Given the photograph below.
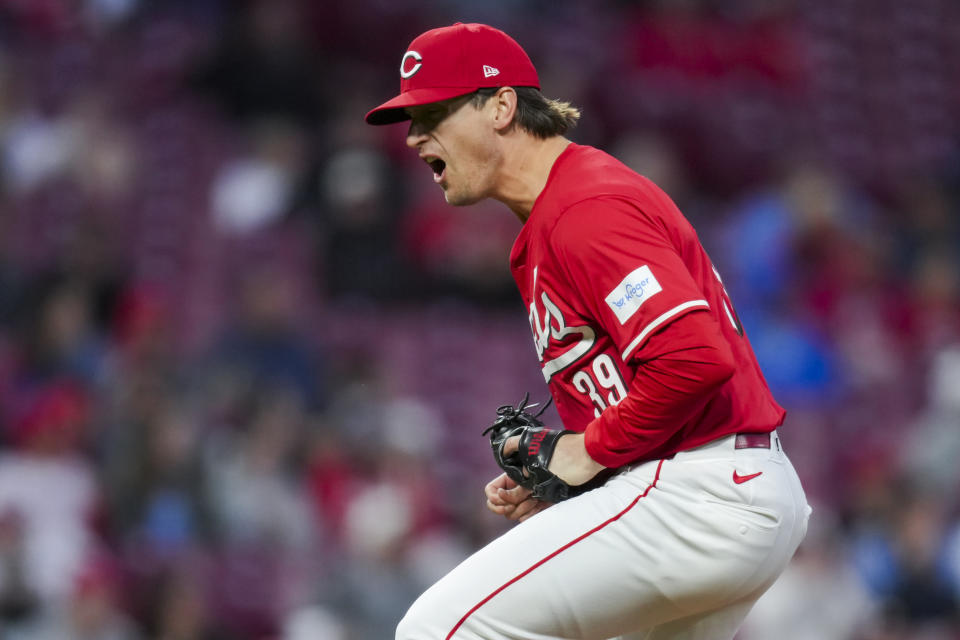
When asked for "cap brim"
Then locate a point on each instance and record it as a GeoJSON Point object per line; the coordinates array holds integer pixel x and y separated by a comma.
{"type": "Point", "coordinates": [392, 111]}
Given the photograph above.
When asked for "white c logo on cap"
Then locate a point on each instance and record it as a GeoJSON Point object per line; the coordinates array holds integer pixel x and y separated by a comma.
{"type": "Point", "coordinates": [410, 54]}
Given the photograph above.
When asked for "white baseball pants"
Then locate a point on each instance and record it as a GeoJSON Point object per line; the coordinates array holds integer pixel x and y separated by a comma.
{"type": "Point", "coordinates": [672, 549]}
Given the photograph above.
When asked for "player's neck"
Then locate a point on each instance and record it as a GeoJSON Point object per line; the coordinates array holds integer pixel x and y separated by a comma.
{"type": "Point", "coordinates": [526, 168]}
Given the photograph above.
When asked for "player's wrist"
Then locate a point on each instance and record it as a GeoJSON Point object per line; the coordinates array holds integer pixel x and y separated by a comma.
{"type": "Point", "coordinates": [571, 461]}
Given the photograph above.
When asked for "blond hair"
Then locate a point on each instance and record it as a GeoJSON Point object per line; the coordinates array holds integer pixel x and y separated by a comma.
{"type": "Point", "coordinates": [537, 115]}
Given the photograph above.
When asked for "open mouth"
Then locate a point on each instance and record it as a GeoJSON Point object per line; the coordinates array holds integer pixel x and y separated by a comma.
{"type": "Point", "coordinates": [438, 166]}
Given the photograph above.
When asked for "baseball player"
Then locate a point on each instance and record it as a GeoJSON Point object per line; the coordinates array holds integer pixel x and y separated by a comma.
{"type": "Point", "coordinates": [666, 506]}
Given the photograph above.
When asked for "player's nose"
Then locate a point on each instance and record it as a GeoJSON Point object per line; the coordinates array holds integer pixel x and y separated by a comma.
{"type": "Point", "coordinates": [416, 135]}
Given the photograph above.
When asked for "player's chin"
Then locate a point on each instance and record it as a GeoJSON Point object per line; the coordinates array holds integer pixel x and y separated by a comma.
{"type": "Point", "coordinates": [459, 198]}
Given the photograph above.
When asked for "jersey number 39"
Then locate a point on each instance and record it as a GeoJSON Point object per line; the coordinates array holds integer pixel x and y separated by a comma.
{"type": "Point", "coordinates": [601, 382]}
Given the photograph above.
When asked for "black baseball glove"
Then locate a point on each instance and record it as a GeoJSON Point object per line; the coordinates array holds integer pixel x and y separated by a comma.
{"type": "Point", "coordinates": [527, 466]}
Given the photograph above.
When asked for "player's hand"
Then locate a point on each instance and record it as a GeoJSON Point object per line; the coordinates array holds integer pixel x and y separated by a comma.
{"type": "Point", "coordinates": [508, 499]}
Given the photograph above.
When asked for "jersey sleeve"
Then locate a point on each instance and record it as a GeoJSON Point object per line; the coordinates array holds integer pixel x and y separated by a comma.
{"type": "Point", "coordinates": [684, 366]}
{"type": "Point", "coordinates": [622, 266]}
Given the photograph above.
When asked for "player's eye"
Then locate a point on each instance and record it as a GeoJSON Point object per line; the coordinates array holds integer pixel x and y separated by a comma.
{"type": "Point", "coordinates": [430, 116]}
{"type": "Point", "coordinates": [434, 116]}
{"type": "Point", "coordinates": [428, 120]}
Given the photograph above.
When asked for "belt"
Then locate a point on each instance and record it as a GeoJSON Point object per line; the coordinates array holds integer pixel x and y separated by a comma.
{"type": "Point", "coordinates": [752, 441]}
{"type": "Point", "coordinates": [743, 440]}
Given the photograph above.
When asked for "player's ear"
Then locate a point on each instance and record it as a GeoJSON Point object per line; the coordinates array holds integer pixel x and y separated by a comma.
{"type": "Point", "coordinates": [504, 103]}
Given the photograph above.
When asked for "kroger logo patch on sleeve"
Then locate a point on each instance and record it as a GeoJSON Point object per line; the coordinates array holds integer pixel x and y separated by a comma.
{"type": "Point", "coordinates": [632, 292]}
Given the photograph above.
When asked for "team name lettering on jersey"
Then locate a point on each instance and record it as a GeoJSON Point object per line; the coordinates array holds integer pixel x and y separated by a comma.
{"type": "Point", "coordinates": [632, 292]}
{"type": "Point", "coordinates": [554, 326]}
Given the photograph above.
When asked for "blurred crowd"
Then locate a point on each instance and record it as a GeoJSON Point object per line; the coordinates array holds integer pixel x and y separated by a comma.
{"type": "Point", "coordinates": [247, 351]}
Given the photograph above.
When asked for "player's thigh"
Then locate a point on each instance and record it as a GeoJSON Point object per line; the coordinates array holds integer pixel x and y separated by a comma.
{"type": "Point", "coordinates": [721, 624]}
{"type": "Point", "coordinates": [569, 572]}
{"type": "Point", "coordinates": [620, 558]}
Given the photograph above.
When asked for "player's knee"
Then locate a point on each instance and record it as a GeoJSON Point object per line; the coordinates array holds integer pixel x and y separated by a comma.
{"type": "Point", "coordinates": [403, 628]}
{"type": "Point", "coordinates": [414, 625]}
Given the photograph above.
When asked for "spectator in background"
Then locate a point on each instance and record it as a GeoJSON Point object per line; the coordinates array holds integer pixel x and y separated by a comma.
{"type": "Point", "coordinates": [50, 488]}
{"type": "Point", "coordinates": [358, 224]}
{"type": "Point", "coordinates": [264, 66]}
{"type": "Point", "coordinates": [82, 142]}
{"type": "Point", "coordinates": [267, 537]}
{"type": "Point", "coordinates": [313, 623]}
{"type": "Point", "coordinates": [253, 471]}
{"type": "Point", "coordinates": [258, 188]}
{"type": "Point", "coordinates": [155, 483]}
{"type": "Point", "coordinates": [934, 311]}
{"type": "Point", "coordinates": [58, 335]}
{"type": "Point", "coordinates": [95, 611]}
{"type": "Point", "coordinates": [461, 256]}
{"type": "Point", "coordinates": [933, 448]}
{"type": "Point", "coordinates": [179, 604]}
{"type": "Point", "coordinates": [265, 346]}
{"type": "Point", "coordinates": [922, 220]}
{"type": "Point", "coordinates": [656, 157]}
{"type": "Point", "coordinates": [921, 599]}
{"type": "Point", "coordinates": [142, 336]}
{"type": "Point", "coordinates": [381, 505]}
{"type": "Point", "coordinates": [18, 600]}
{"type": "Point", "coordinates": [899, 547]}
{"type": "Point", "coordinates": [802, 254]}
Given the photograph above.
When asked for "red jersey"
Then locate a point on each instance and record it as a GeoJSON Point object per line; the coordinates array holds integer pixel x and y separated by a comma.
{"type": "Point", "coordinates": [604, 264]}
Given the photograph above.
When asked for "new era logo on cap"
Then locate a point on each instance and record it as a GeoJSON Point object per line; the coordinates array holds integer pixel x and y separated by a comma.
{"type": "Point", "coordinates": [490, 71]}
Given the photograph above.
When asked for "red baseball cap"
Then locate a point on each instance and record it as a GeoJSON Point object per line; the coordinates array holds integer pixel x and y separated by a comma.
{"type": "Point", "coordinates": [453, 61]}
